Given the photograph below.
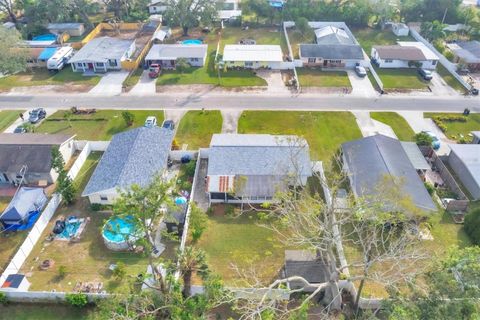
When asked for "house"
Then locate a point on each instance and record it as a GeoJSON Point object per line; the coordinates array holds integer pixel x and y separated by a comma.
{"type": "Point", "coordinates": [400, 29]}
{"type": "Point", "coordinates": [157, 6]}
{"type": "Point", "coordinates": [464, 159]}
{"type": "Point", "coordinates": [377, 159]}
{"type": "Point", "coordinates": [30, 155]}
{"type": "Point", "coordinates": [335, 47]}
{"type": "Point", "coordinates": [102, 54]}
{"type": "Point", "coordinates": [167, 55]}
{"type": "Point", "coordinates": [467, 52]}
{"type": "Point", "coordinates": [305, 264]}
{"type": "Point", "coordinates": [476, 137]}
{"type": "Point", "coordinates": [132, 157]}
{"type": "Point", "coordinates": [252, 56]}
{"type": "Point", "coordinates": [73, 29]}
{"type": "Point", "coordinates": [254, 167]}
{"type": "Point", "coordinates": [405, 54]}
{"type": "Point", "coordinates": [16, 282]}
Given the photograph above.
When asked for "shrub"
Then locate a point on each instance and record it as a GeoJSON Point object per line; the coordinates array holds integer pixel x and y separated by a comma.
{"type": "Point", "coordinates": [198, 222]}
{"type": "Point", "coordinates": [190, 168]}
{"type": "Point", "coordinates": [77, 299]}
{"type": "Point", "coordinates": [429, 188]}
{"type": "Point", "coordinates": [120, 271]}
{"type": "Point", "coordinates": [423, 139]}
{"type": "Point", "coordinates": [229, 210]}
{"type": "Point", "coordinates": [3, 298]}
{"type": "Point", "coordinates": [449, 55]}
{"type": "Point", "coordinates": [62, 271]}
{"type": "Point", "coordinates": [128, 117]}
{"type": "Point", "coordinates": [95, 207]}
{"type": "Point", "coordinates": [472, 225]}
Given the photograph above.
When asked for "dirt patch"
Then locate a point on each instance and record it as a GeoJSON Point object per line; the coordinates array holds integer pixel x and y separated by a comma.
{"type": "Point", "coordinates": [202, 88]}
{"type": "Point", "coordinates": [331, 90]}
{"type": "Point", "coordinates": [65, 88]}
{"type": "Point", "coordinates": [218, 210]}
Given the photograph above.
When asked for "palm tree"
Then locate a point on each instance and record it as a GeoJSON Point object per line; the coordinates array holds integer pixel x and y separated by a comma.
{"type": "Point", "coordinates": [191, 261]}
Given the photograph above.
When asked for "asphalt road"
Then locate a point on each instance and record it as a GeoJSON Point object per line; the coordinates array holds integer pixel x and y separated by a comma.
{"type": "Point", "coordinates": [242, 101]}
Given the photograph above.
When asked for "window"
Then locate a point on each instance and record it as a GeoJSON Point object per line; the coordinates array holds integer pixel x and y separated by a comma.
{"type": "Point", "coordinates": [388, 61]}
{"type": "Point", "coordinates": [434, 62]}
{"type": "Point", "coordinates": [194, 59]}
{"type": "Point", "coordinates": [112, 62]}
{"type": "Point", "coordinates": [311, 60]}
{"type": "Point", "coordinates": [103, 198]}
{"type": "Point", "coordinates": [248, 64]}
{"type": "Point", "coordinates": [99, 64]}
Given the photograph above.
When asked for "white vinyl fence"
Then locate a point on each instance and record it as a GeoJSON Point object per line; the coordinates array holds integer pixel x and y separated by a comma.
{"type": "Point", "coordinates": [294, 64]}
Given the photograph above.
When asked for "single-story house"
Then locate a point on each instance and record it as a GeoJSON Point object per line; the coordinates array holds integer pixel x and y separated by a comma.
{"type": "Point", "coordinates": [405, 54]}
{"type": "Point", "coordinates": [16, 282]}
{"type": "Point", "coordinates": [400, 29]}
{"type": "Point", "coordinates": [157, 6]}
{"type": "Point", "coordinates": [102, 54]}
{"type": "Point", "coordinates": [74, 29]}
{"type": "Point", "coordinates": [476, 137]}
{"type": "Point", "coordinates": [167, 55]}
{"type": "Point", "coordinates": [464, 159]}
{"type": "Point", "coordinates": [252, 168]}
{"type": "Point", "coordinates": [252, 56]}
{"type": "Point", "coordinates": [335, 47]}
{"type": "Point", "coordinates": [26, 203]}
{"type": "Point", "coordinates": [132, 157]}
{"type": "Point", "coordinates": [307, 265]}
{"type": "Point", "coordinates": [377, 159]}
{"type": "Point", "coordinates": [467, 52]}
{"type": "Point", "coordinates": [30, 155]}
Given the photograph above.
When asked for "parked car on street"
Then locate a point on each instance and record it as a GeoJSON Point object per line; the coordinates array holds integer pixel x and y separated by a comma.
{"type": "Point", "coordinates": [435, 140]}
{"type": "Point", "coordinates": [150, 122]}
{"type": "Point", "coordinates": [20, 129]}
{"type": "Point", "coordinates": [36, 115]}
{"type": "Point", "coordinates": [425, 74]}
{"type": "Point", "coordinates": [361, 71]}
{"type": "Point", "coordinates": [168, 124]}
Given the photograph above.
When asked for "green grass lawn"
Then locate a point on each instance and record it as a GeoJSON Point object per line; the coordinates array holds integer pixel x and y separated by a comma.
{"type": "Point", "coordinates": [369, 37]}
{"type": "Point", "coordinates": [101, 125]}
{"type": "Point", "coordinates": [324, 131]}
{"type": "Point", "coordinates": [399, 125]}
{"type": "Point", "coordinates": [270, 36]}
{"type": "Point", "coordinates": [42, 77]}
{"type": "Point", "coordinates": [196, 128]}
{"type": "Point", "coordinates": [296, 38]}
{"type": "Point", "coordinates": [450, 80]}
{"type": "Point", "coordinates": [319, 78]}
{"type": "Point", "coordinates": [240, 241]}
{"type": "Point", "coordinates": [401, 79]}
{"type": "Point", "coordinates": [35, 311]}
{"type": "Point", "coordinates": [133, 79]}
{"type": "Point", "coordinates": [7, 117]}
{"type": "Point", "coordinates": [455, 129]}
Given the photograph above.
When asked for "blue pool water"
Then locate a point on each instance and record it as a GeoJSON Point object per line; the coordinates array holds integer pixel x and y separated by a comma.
{"type": "Point", "coordinates": [192, 41]}
{"type": "Point", "coordinates": [71, 228]}
{"type": "Point", "coordinates": [118, 229]}
{"type": "Point", "coordinates": [45, 37]}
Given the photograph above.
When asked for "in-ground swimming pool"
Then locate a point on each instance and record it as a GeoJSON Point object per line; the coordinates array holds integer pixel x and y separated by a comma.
{"type": "Point", "coordinates": [45, 37]}
{"type": "Point", "coordinates": [192, 41]}
{"type": "Point", "coordinates": [118, 233]}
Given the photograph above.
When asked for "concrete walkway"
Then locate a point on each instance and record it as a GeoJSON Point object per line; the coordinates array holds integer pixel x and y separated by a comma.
{"type": "Point", "coordinates": [370, 127]}
{"type": "Point", "coordinates": [145, 85]}
{"type": "Point", "coordinates": [230, 120]}
{"type": "Point", "coordinates": [361, 87]}
{"type": "Point", "coordinates": [110, 84]}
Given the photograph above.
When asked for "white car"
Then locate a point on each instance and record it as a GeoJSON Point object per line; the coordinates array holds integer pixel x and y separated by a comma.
{"type": "Point", "coordinates": [150, 122]}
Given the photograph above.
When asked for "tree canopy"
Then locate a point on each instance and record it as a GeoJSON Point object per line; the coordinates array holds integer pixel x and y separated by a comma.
{"type": "Point", "coordinates": [13, 57]}
{"type": "Point", "coordinates": [190, 13]}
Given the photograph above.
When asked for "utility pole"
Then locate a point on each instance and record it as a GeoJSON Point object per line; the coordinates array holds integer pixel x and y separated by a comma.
{"type": "Point", "coordinates": [444, 15]}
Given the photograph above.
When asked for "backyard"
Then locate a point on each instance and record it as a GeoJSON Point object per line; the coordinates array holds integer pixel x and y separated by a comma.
{"type": "Point", "coordinates": [324, 131]}
{"type": "Point", "coordinates": [457, 129]}
{"type": "Point", "coordinates": [196, 128]}
{"type": "Point", "coordinates": [42, 77]}
{"type": "Point", "coordinates": [266, 36]}
{"type": "Point", "coordinates": [296, 38]}
{"type": "Point", "coordinates": [399, 125]}
{"type": "Point", "coordinates": [101, 125]}
{"type": "Point", "coordinates": [7, 117]}
{"type": "Point", "coordinates": [35, 311]}
{"type": "Point", "coordinates": [369, 37]}
{"type": "Point", "coordinates": [240, 241]}
{"type": "Point", "coordinates": [319, 78]}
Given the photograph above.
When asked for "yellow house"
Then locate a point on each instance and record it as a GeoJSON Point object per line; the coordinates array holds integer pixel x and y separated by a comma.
{"type": "Point", "coordinates": [253, 56]}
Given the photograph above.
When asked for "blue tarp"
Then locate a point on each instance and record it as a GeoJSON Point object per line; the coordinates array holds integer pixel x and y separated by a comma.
{"type": "Point", "coordinates": [26, 203]}
{"type": "Point", "coordinates": [47, 53]}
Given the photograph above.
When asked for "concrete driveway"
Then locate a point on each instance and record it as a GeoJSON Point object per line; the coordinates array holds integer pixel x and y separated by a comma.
{"type": "Point", "coordinates": [370, 127]}
{"type": "Point", "coordinates": [440, 87]}
{"type": "Point", "coordinates": [361, 87]}
{"type": "Point", "coordinates": [274, 81]}
{"type": "Point", "coordinates": [19, 121]}
{"type": "Point", "coordinates": [230, 120]}
{"type": "Point", "coordinates": [145, 85]}
{"type": "Point", "coordinates": [110, 84]}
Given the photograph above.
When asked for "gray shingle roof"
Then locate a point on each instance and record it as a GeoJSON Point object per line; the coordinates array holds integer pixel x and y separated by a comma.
{"type": "Point", "coordinates": [371, 159]}
{"type": "Point", "coordinates": [469, 154]}
{"type": "Point", "coordinates": [37, 158]}
{"type": "Point", "coordinates": [133, 157]}
{"type": "Point", "coordinates": [331, 51]}
{"type": "Point", "coordinates": [469, 51]}
{"type": "Point", "coordinates": [305, 264]}
{"type": "Point", "coordinates": [415, 155]}
{"type": "Point", "coordinates": [34, 138]}
{"type": "Point", "coordinates": [102, 49]}
{"type": "Point", "coordinates": [397, 52]}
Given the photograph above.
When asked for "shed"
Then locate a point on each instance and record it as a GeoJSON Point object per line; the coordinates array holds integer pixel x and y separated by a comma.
{"type": "Point", "coordinates": [400, 29]}
{"type": "Point", "coordinates": [16, 282]}
{"type": "Point", "coordinates": [74, 29]}
{"type": "Point", "coordinates": [307, 265]}
{"type": "Point", "coordinates": [27, 201]}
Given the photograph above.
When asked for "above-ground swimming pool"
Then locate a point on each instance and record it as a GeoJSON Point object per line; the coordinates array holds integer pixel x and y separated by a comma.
{"type": "Point", "coordinates": [118, 233]}
{"type": "Point", "coordinates": [45, 37]}
{"type": "Point", "coordinates": [192, 41]}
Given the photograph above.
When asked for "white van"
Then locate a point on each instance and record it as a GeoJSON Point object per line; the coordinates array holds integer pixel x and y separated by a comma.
{"type": "Point", "coordinates": [60, 58]}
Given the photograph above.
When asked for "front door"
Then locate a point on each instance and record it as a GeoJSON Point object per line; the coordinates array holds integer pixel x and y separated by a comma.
{"type": "Point", "coordinates": [325, 63]}
{"type": "Point", "coordinates": [90, 66]}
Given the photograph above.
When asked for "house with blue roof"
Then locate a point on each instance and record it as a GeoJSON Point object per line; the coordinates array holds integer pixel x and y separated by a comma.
{"type": "Point", "coordinates": [132, 157]}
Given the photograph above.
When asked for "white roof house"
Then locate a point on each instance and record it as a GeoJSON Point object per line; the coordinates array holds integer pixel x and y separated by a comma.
{"type": "Point", "coordinates": [234, 52]}
{"type": "Point", "coordinates": [175, 51]}
{"type": "Point", "coordinates": [429, 54]}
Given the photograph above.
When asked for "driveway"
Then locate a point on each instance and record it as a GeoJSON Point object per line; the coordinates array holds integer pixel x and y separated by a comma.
{"type": "Point", "coordinates": [274, 81]}
{"type": "Point", "coordinates": [19, 121]}
{"type": "Point", "coordinates": [370, 127]}
{"type": "Point", "coordinates": [110, 84]}
{"type": "Point", "coordinates": [144, 86]}
{"type": "Point", "coordinates": [361, 87]}
{"type": "Point", "coordinates": [230, 120]}
{"type": "Point", "coordinates": [440, 88]}
{"type": "Point", "coordinates": [418, 123]}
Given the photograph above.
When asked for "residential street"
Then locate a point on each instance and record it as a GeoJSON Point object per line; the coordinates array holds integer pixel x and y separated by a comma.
{"type": "Point", "coordinates": [233, 100]}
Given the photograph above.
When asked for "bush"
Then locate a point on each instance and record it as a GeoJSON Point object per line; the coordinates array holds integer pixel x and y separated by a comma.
{"type": "Point", "coordinates": [95, 207]}
{"type": "Point", "coordinates": [429, 188]}
{"type": "Point", "coordinates": [229, 210]}
{"type": "Point", "coordinates": [128, 117]}
{"type": "Point", "coordinates": [62, 271]}
{"type": "Point", "coordinates": [120, 271]}
{"type": "Point", "coordinates": [472, 225]}
{"type": "Point", "coordinates": [3, 298]}
{"type": "Point", "coordinates": [423, 139]}
{"type": "Point", "coordinates": [190, 168]}
{"type": "Point", "coordinates": [77, 299]}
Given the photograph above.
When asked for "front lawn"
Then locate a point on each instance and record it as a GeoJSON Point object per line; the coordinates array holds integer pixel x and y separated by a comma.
{"type": "Point", "coordinates": [401, 79]}
{"type": "Point", "coordinates": [42, 77]}
{"type": "Point", "coordinates": [369, 37]}
{"type": "Point", "coordinates": [240, 242]}
{"type": "Point", "coordinates": [456, 129]}
{"type": "Point", "coordinates": [196, 128]}
{"type": "Point", "coordinates": [400, 126]}
{"type": "Point", "coordinates": [450, 80]}
{"type": "Point", "coordinates": [324, 131]}
{"type": "Point", "coordinates": [325, 79]}
{"type": "Point", "coordinates": [101, 125]}
{"type": "Point", "coordinates": [7, 117]}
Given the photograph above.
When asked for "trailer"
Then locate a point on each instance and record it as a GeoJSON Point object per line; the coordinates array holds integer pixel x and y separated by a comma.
{"type": "Point", "coordinates": [60, 58]}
